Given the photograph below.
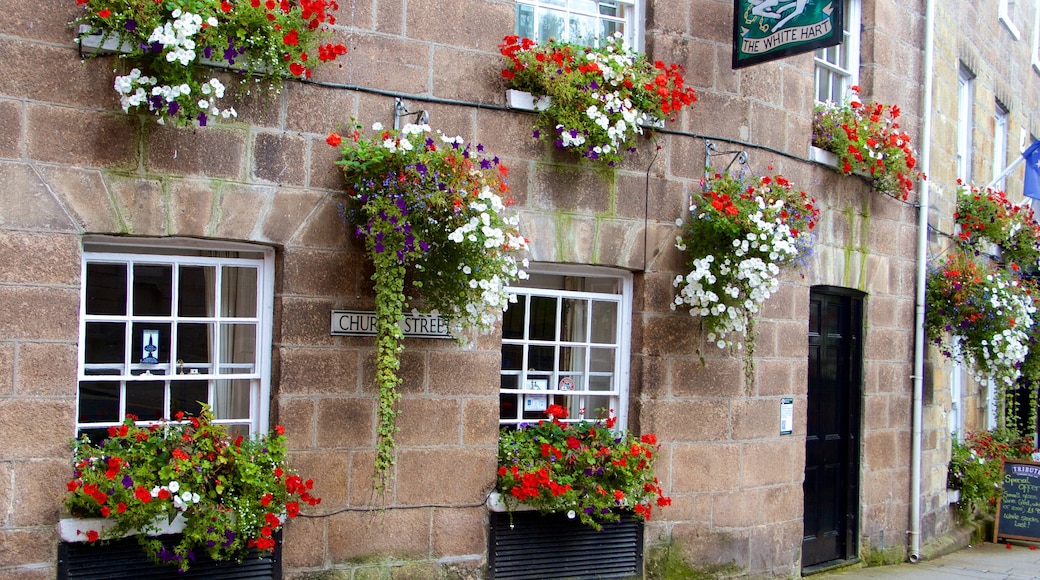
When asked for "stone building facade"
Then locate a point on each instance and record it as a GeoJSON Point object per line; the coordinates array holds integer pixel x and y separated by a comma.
{"type": "Point", "coordinates": [79, 177]}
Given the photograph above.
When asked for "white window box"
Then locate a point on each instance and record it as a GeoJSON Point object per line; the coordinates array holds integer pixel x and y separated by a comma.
{"type": "Point", "coordinates": [496, 503]}
{"type": "Point", "coordinates": [112, 45]}
{"type": "Point", "coordinates": [75, 530]}
{"type": "Point", "coordinates": [824, 157]}
{"type": "Point", "coordinates": [953, 495]}
{"type": "Point", "coordinates": [525, 101]}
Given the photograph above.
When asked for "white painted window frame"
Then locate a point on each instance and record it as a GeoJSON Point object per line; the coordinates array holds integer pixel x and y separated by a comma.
{"type": "Point", "coordinates": [850, 48]}
{"type": "Point", "coordinates": [633, 23]}
{"type": "Point", "coordinates": [1004, 17]}
{"type": "Point", "coordinates": [102, 249]}
{"type": "Point", "coordinates": [1035, 52]}
{"type": "Point", "coordinates": [1000, 144]}
{"type": "Point", "coordinates": [623, 325]}
{"type": "Point", "coordinates": [965, 123]}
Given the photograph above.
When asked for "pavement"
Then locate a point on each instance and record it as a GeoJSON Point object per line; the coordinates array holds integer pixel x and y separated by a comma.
{"type": "Point", "coordinates": [981, 561]}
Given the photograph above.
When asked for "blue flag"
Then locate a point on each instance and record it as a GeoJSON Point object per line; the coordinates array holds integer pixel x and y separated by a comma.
{"type": "Point", "coordinates": [1032, 183]}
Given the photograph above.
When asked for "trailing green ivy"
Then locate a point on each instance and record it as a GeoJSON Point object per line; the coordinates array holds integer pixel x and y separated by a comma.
{"type": "Point", "coordinates": [430, 205]}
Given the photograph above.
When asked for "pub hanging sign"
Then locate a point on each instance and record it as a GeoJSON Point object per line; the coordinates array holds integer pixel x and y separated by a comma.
{"type": "Point", "coordinates": [765, 30]}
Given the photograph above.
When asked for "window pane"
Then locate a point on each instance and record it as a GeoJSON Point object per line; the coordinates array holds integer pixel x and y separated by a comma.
{"type": "Point", "coordinates": [601, 383]}
{"type": "Point", "coordinates": [513, 319]}
{"type": "Point", "coordinates": [238, 292]}
{"type": "Point", "coordinates": [541, 358]}
{"type": "Point", "coordinates": [145, 399]}
{"type": "Point", "coordinates": [231, 399]}
{"type": "Point", "coordinates": [238, 348]}
{"type": "Point", "coordinates": [542, 325]}
{"type": "Point", "coordinates": [507, 406]}
{"type": "Point", "coordinates": [604, 322]}
{"type": "Point", "coordinates": [106, 289]}
{"type": "Point", "coordinates": [525, 20]}
{"type": "Point", "coordinates": [193, 347]}
{"type": "Point", "coordinates": [98, 402]}
{"type": "Point", "coordinates": [195, 290]}
{"type": "Point", "coordinates": [151, 343]}
{"type": "Point", "coordinates": [582, 29]}
{"type": "Point", "coordinates": [188, 396]}
{"type": "Point", "coordinates": [602, 360]}
{"type": "Point", "coordinates": [153, 285]}
{"type": "Point", "coordinates": [512, 357]}
{"type": "Point", "coordinates": [105, 342]}
{"type": "Point", "coordinates": [550, 25]}
{"type": "Point", "coordinates": [575, 320]}
{"type": "Point", "coordinates": [572, 359]}
{"type": "Point", "coordinates": [598, 408]}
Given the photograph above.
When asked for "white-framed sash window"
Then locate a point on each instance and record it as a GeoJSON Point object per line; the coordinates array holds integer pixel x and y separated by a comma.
{"type": "Point", "coordinates": [580, 21]}
{"type": "Point", "coordinates": [168, 326]}
{"type": "Point", "coordinates": [566, 341]}
{"type": "Point", "coordinates": [837, 67]}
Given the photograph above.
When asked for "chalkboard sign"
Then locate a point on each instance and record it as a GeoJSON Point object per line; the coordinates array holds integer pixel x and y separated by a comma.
{"type": "Point", "coordinates": [1018, 512]}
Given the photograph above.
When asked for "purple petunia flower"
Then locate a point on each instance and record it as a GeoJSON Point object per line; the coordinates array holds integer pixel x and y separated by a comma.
{"type": "Point", "coordinates": [424, 246]}
{"type": "Point", "coordinates": [202, 119]}
{"type": "Point", "coordinates": [130, 24]}
{"type": "Point", "coordinates": [537, 134]}
{"type": "Point", "coordinates": [128, 481]}
{"type": "Point", "coordinates": [378, 247]}
{"type": "Point", "coordinates": [207, 52]}
{"type": "Point", "coordinates": [174, 107]}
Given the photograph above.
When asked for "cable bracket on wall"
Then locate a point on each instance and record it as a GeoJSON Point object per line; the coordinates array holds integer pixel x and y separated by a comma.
{"type": "Point", "coordinates": [422, 116]}
{"type": "Point", "coordinates": [739, 156]}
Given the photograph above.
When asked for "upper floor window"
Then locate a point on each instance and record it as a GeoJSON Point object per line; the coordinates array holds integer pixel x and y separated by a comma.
{"type": "Point", "coordinates": [580, 21]}
{"type": "Point", "coordinates": [837, 67]}
{"type": "Point", "coordinates": [1006, 16]}
{"type": "Point", "coordinates": [1036, 38]}
{"type": "Point", "coordinates": [167, 328]}
{"type": "Point", "coordinates": [965, 123]}
{"type": "Point", "coordinates": [1000, 145]}
{"type": "Point", "coordinates": [566, 342]}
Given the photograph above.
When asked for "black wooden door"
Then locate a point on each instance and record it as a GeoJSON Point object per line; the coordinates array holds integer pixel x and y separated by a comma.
{"type": "Point", "coordinates": [831, 486]}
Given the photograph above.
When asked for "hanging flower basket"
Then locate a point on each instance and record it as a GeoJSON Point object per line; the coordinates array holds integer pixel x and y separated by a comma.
{"type": "Point", "coordinates": [980, 315]}
{"type": "Point", "coordinates": [223, 496]}
{"type": "Point", "coordinates": [585, 470]}
{"type": "Point", "coordinates": [986, 217]}
{"type": "Point", "coordinates": [740, 235]}
{"type": "Point", "coordinates": [867, 140]}
{"type": "Point", "coordinates": [594, 101]}
{"type": "Point", "coordinates": [169, 44]}
{"type": "Point", "coordinates": [435, 207]}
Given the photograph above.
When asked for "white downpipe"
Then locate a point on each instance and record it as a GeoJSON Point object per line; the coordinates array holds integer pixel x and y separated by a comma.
{"type": "Point", "coordinates": [922, 263]}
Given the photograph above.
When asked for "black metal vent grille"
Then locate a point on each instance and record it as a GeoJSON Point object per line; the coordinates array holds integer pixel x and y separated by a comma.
{"type": "Point", "coordinates": [125, 559]}
{"type": "Point", "coordinates": [554, 546]}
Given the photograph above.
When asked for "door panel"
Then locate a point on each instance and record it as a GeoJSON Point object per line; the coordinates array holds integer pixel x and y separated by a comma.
{"type": "Point", "coordinates": [831, 444]}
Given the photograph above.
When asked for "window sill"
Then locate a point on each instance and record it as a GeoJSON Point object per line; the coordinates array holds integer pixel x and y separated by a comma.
{"type": "Point", "coordinates": [74, 530]}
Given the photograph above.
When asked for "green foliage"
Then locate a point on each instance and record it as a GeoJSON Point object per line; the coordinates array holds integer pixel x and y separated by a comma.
{"type": "Point", "coordinates": [599, 95]}
{"type": "Point", "coordinates": [232, 494]}
{"type": "Point", "coordinates": [167, 41]}
{"type": "Point", "coordinates": [431, 206]}
{"type": "Point", "coordinates": [584, 469]}
{"type": "Point", "coordinates": [867, 139]}
{"type": "Point", "coordinates": [977, 466]}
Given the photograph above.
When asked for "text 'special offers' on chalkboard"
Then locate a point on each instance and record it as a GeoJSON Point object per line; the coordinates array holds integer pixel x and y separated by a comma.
{"type": "Point", "coordinates": [1018, 511]}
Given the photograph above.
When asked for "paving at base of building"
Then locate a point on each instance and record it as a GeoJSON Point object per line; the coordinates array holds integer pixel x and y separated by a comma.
{"type": "Point", "coordinates": [985, 561]}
